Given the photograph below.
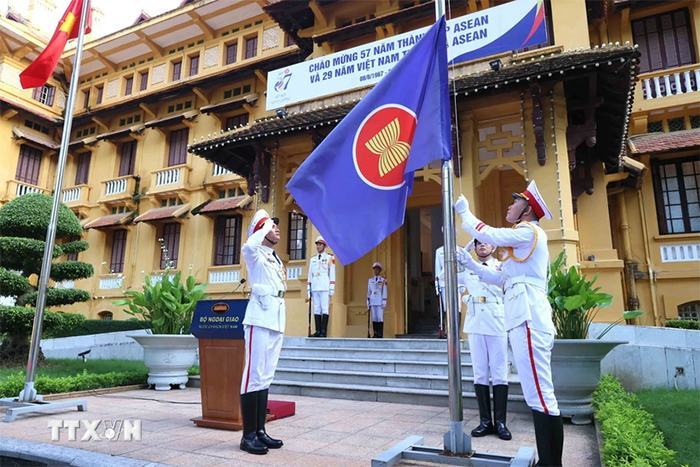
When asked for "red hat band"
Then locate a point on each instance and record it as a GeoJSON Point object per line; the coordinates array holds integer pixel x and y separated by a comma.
{"type": "Point", "coordinates": [532, 201]}
{"type": "Point", "coordinates": [260, 223]}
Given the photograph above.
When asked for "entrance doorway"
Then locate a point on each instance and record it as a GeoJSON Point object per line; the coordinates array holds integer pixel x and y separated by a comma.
{"type": "Point", "coordinates": [423, 237]}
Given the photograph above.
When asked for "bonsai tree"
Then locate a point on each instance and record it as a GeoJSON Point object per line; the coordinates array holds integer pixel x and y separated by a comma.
{"type": "Point", "coordinates": [576, 301]}
{"type": "Point", "coordinates": [23, 225]}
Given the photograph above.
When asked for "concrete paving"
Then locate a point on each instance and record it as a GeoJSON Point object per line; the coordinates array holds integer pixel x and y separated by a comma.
{"type": "Point", "coordinates": [324, 432]}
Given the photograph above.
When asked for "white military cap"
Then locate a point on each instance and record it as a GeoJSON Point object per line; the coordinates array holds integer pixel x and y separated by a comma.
{"type": "Point", "coordinates": [377, 265]}
{"type": "Point", "coordinates": [258, 221]}
{"type": "Point", "coordinates": [320, 239]}
{"type": "Point", "coordinates": [534, 199]}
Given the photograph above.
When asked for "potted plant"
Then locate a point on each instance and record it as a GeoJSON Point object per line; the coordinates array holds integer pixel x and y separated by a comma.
{"type": "Point", "coordinates": [575, 302]}
{"type": "Point", "coordinates": [168, 304]}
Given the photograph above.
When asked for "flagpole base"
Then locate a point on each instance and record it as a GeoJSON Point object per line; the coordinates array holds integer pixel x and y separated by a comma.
{"type": "Point", "coordinates": [456, 441]}
{"type": "Point", "coordinates": [412, 449]}
{"type": "Point", "coordinates": [17, 406]}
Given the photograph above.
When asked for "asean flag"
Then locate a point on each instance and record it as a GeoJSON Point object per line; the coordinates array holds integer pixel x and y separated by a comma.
{"type": "Point", "coordinates": [39, 71]}
{"type": "Point", "coordinates": [355, 184]}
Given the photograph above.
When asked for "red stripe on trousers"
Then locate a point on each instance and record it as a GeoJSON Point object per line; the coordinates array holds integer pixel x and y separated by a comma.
{"type": "Point", "coordinates": [250, 355]}
{"type": "Point", "coordinates": [534, 370]}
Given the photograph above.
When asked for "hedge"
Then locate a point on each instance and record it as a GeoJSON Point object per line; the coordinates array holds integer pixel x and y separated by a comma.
{"type": "Point", "coordinates": [17, 320]}
{"type": "Point", "coordinates": [12, 284]}
{"type": "Point", "coordinates": [13, 384]}
{"type": "Point", "coordinates": [28, 216]}
{"type": "Point", "coordinates": [683, 324]}
{"type": "Point", "coordinates": [630, 437]}
{"type": "Point", "coordinates": [71, 270]}
{"type": "Point", "coordinates": [76, 246]}
{"type": "Point", "coordinates": [101, 326]}
{"type": "Point", "coordinates": [55, 297]}
{"type": "Point", "coordinates": [24, 253]}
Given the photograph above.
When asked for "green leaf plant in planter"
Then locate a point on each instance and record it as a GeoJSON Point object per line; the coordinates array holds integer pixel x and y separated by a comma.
{"type": "Point", "coordinates": [575, 301]}
{"type": "Point", "coordinates": [168, 304]}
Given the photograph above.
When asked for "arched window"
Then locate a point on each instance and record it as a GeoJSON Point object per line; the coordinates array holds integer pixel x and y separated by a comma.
{"type": "Point", "coordinates": [689, 311]}
{"type": "Point", "coordinates": [106, 315]}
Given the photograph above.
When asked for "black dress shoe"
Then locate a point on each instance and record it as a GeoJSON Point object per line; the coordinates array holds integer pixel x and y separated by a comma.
{"type": "Point", "coordinates": [503, 432]}
{"type": "Point", "coordinates": [250, 443]}
{"type": "Point", "coordinates": [484, 428]}
{"type": "Point", "coordinates": [271, 443]}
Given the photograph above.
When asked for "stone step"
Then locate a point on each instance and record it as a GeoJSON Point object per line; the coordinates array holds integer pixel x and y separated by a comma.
{"type": "Point", "coordinates": [389, 343]}
{"type": "Point", "coordinates": [370, 365]}
{"type": "Point", "coordinates": [395, 354]}
{"type": "Point", "coordinates": [362, 378]}
{"type": "Point", "coordinates": [435, 397]}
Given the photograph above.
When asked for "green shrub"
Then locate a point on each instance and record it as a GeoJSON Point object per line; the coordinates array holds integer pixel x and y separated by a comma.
{"type": "Point", "coordinates": [28, 216]}
{"type": "Point", "coordinates": [76, 246]}
{"type": "Point", "coordinates": [13, 384]}
{"type": "Point", "coordinates": [101, 326]}
{"type": "Point", "coordinates": [683, 324]}
{"type": "Point", "coordinates": [55, 297]}
{"type": "Point", "coordinates": [630, 437]}
{"type": "Point", "coordinates": [24, 254]}
{"type": "Point", "coordinates": [17, 320]}
{"type": "Point", "coordinates": [12, 284]}
{"type": "Point", "coordinates": [71, 270]}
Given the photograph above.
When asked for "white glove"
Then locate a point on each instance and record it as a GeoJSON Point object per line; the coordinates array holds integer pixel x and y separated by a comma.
{"type": "Point", "coordinates": [461, 205]}
{"type": "Point", "coordinates": [470, 246]}
{"type": "Point", "coordinates": [331, 291]}
{"type": "Point", "coordinates": [461, 256]}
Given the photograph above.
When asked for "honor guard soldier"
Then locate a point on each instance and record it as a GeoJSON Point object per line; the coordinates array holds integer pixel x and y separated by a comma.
{"type": "Point", "coordinates": [376, 299]}
{"type": "Point", "coordinates": [263, 329]}
{"type": "Point", "coordinates": [528, 315]}
{"type": "Point", "coordinates": [488, 345]}
{"type": "Point", "coordinates": [321, 285]}
{"type": "Point", "coordinates": [440, 285]}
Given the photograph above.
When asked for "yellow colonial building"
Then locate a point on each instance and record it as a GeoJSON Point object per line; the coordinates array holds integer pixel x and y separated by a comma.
{"type": "Point", "coordinates": [173, 150]}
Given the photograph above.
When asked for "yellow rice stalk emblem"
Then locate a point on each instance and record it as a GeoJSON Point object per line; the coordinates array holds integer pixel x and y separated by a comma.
{"type": "Point", "coordinates": [387, 146]}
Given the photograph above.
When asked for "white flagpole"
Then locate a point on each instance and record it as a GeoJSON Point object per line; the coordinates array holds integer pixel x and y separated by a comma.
{"type": "Point", "coordinates": [28, 394]}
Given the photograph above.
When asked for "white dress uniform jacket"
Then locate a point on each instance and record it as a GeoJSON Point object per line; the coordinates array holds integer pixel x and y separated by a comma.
{"type": "Point", "coordinates": [485, 311]}
{"type": "Point", "coordinates": [267, 277]}
{"type": "Point", "coordinates": [321, 273]}
{"type": "Point", "coordinates": [377, 291]}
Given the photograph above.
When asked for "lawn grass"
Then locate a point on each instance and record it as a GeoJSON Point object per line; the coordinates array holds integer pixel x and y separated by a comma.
{"type": "Point", "coordinates": [677, 414]}
{"type": "Point", "coordinates": [72, 367]}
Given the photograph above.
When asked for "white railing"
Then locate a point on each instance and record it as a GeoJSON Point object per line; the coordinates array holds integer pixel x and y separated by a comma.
{"type": "Point", "coordinates": [23, 189]}
{"type": "Point", "coordinates": [218, 171]}
{"type": "Point", "coordinates": [294, 272]}
{"type": "Point", "coordinates": [71, 194]}
{"type": "Point", "coordinates": [158, 277]}
{"type": "Point", "coordinates": [169, 176]}
{"type": "Point", "coordinates": [226, 276]}
{"type": "Point", "coordinates": [111, 282]}
{"type": "Point", "coordinates": [67, 284]}
{"type": "Point", "coordinates": [672, 83]}
{"type": "Point", "coordinates": [115, 187]}
{"type": "Point", "coordinates": [680, 253]}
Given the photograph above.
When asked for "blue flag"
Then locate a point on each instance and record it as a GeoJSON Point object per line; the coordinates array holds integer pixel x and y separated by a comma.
{"type": "Point", "coordinates": [355, 184]}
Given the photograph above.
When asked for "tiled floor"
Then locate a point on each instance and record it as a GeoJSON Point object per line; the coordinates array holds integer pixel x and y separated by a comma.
{"type": "Point", "coordinates": [324, 432]}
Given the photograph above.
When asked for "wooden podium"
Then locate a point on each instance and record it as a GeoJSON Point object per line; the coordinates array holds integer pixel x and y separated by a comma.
{"type": "Point", "coordinates": [218, 326]}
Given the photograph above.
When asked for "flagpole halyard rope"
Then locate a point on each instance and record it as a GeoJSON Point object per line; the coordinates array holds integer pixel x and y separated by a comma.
{"type": "Point", "coordinates": [458, 147]}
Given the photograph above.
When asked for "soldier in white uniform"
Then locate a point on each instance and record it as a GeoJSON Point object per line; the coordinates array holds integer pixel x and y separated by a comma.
{"type": "Point", "coordinates": [263, 329]}
{"type": "Point", "coordinates": [321, 285]}
{"type": "Point", "coordinates": [376, 299]}
{"type": "Point", "coordinates": [528, 319]}
{"type": "Point", "coordinates": [488, 345]}
{"type": "Point", "coordinates": [440, 285]}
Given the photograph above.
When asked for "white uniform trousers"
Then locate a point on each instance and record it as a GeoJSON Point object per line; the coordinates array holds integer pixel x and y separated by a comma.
{"type": "Point", "coordinates": [489, 355]}
{"type": "Point", "coordinates": [532, 352]}
{"type": "Point", "coordinates": [262, 351]}
{"type": "Point", "coordinates": [320, 301]}
{"type": "Point", "coordinates": [377, 313]}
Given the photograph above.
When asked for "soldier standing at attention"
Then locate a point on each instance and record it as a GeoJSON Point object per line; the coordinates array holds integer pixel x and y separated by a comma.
{"type": "Point", "coordinates": [376, 299]}
{"type": "Point", "coordinates": [321, 285]}
{"type": "Point", "coordinates": [488, 345]}
{"type": "Point", "coordinates": [263, 328]}
{"type": "Point", "coordinates": [528, 315]}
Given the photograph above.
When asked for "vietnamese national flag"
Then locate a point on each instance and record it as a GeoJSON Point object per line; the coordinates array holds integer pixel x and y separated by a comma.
{"type": "Point", "coordinates": [39, 71]}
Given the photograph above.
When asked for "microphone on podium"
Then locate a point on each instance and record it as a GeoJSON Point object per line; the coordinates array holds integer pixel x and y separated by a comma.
{"type": "Point", "coordinates": [240, 283]}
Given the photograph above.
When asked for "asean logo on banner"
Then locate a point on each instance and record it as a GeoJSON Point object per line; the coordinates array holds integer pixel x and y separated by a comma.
{"type": "Point", "coordinates": [382, 144]}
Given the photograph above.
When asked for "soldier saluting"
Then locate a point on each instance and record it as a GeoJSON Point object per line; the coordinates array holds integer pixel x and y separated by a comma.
{"type": "Point", "coordinates": [263, 327]}
{"type": "Point", "coordinates": [320, 286]}
{"type": "Point", "coordinates": [528, 315]}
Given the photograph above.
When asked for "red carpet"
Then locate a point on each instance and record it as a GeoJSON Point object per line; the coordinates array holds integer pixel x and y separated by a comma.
{"type": "Point", "coordinates": [280, 409]}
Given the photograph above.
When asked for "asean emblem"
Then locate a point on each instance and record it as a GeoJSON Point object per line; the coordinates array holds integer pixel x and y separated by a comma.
{"type": "Point", "coordinates": [382, 145]}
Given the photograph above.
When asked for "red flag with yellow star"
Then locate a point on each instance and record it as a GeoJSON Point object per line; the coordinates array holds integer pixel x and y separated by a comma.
{"type": "Point", "coordinates": [39, 71]}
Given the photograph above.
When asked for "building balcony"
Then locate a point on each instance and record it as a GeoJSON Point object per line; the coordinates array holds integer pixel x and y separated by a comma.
{"type": "Point", "coordinates": [229, 274]}
{"type": "Point", "coordinates": [110, 281]}
{"type": "Point", "coordinates": [118, 189]}
{"type": "Point", "coordinates": [76, 196]}
{"type": "Point", "coordinates": [15, 189]}
{"type": "Point", "coordinates": [661, 88]}
{"type": "Point", "coordinates": [170, 179]}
